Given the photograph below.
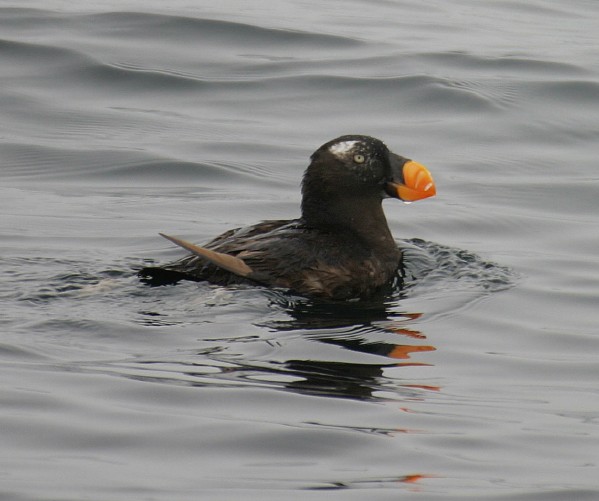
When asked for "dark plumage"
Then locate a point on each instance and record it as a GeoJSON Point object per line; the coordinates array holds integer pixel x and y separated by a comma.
{"type": "Point", "coordinates": [341, 246]}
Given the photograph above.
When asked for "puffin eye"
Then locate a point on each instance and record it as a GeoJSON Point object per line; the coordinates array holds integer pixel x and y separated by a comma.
{"type": "Point", "coordinates": [359, 158]}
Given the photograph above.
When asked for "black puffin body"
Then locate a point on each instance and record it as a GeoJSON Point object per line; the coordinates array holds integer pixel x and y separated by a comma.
{"type": "Point", "coordinates": [340, 248]}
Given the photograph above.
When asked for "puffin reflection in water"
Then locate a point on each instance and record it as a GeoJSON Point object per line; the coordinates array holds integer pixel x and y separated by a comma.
{"type": "Point", "coordinates": [340, 248]}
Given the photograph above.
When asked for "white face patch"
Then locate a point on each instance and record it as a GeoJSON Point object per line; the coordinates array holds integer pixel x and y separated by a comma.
{"type": "Point", "coordinates": [342, 148]}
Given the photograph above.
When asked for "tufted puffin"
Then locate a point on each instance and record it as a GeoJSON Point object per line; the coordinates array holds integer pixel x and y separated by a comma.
{"type": "Point", "coordinates": [340, 248]}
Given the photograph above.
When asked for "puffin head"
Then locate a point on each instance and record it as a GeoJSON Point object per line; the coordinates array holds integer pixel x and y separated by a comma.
{"type": "Point", "coordinates": [356, 166]}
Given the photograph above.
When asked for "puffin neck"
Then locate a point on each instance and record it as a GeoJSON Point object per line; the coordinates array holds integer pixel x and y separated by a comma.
{"type": "Point", "coordinates": [362, 218]}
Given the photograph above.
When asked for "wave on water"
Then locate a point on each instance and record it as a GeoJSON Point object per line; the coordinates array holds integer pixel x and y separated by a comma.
{"type": "Point", "coordinates": [429, 266]}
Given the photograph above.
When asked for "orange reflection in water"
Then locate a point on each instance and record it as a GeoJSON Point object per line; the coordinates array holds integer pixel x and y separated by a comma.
{"type": "Point", "coordinates": [414, 479]}
{"type": "Point", "coordinates": [403, 351]}
{"type": "Point", "coordinates": [427, 387]}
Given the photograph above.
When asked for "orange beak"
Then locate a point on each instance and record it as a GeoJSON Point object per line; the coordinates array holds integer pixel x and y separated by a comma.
{"type": "Point", "coordinates": [417, 183]}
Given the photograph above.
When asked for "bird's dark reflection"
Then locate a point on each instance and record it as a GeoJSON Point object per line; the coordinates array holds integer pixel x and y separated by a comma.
{"type": "Point", "coordinates": [374, 335]}
{"type": "Point", "coordinates": [352, 326]}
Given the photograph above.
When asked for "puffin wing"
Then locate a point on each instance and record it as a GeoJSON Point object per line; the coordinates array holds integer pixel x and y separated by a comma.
{"type": "Point", "coordinates": [225, 261]}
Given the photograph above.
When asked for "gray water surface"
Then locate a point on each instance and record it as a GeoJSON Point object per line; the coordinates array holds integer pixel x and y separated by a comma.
{"type": "Point", "coordinates": [478, 380]}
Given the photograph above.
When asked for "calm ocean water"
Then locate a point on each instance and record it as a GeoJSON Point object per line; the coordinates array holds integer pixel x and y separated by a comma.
{"type": "Point", "coordinates": [122, 119]}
